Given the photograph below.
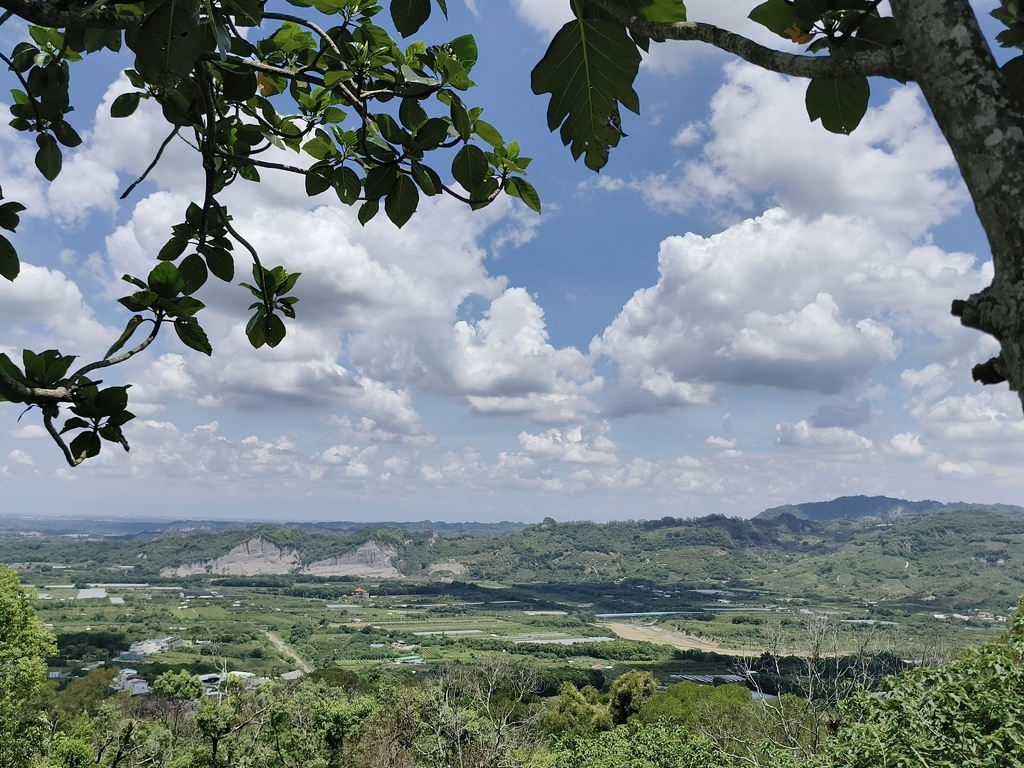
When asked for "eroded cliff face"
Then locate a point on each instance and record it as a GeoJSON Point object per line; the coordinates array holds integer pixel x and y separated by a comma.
{"type": "Point", "coordinates": [259, 557]}
{"type": "Point", "coordinates": [369, 560]}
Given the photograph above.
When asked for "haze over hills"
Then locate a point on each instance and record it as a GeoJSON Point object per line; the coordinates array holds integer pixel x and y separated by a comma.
{"type": "Point", "coordinates": [885, 507]}
{"type": "Point", "coordinates": [871, 548]}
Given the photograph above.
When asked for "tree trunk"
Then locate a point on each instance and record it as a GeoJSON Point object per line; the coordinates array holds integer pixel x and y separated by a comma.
{"type": "Point", "coordinates": [951, 61]}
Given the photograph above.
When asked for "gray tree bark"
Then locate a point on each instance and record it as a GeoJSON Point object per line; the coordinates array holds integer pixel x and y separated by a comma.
{"type": "Point", "coordinates": [954, 66]}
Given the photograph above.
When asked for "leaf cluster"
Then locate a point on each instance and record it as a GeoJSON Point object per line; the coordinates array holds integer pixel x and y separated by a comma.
{"type": "Point", "coordinates": [245, 83]}
{"type": "Point", "coordinates": [840, 27]}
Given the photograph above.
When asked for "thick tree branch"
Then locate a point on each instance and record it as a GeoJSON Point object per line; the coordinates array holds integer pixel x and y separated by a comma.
{"type": "Point", "coordinates": [972, 105]}
{"type": "Point", "coordinates": [890, 63]}
{"type": "Point", "coordinates": [60, 394]}
{"type": "Point", "coordinates": [62, 14]}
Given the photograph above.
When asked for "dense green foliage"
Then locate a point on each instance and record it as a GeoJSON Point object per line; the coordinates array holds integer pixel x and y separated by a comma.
{"type": "Point", "coordinates": [24, 646]}
{"type": "Point", "coordinates": [966, 712]}
{"type": "Point", "coordinates": [491, 713]}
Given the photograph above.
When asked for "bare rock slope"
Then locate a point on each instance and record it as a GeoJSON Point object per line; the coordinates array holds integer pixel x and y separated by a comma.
{"type": "Point", "coordinates": [259, 556]}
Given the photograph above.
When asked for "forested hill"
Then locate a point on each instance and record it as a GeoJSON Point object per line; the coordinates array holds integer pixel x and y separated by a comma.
{"type": "Point", "coordinates": [958, 554]}
{"type": "Point", "coordinates": [883, 507]}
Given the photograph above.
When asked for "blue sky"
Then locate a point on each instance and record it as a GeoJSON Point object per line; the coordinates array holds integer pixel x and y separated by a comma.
{"type": "Point", "coordinates": [740, 311]}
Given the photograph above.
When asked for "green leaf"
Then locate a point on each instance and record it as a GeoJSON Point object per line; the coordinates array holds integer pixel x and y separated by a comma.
{"type": "Point", "coordinates": [380, 180]}
{"type": "Point", "coordinates": [465, 50]}
{"type": "Point", "coordinates": [401, 201]}
{"type": "Point", "coordinates": [454, 72]}
{"type": "Point", "coordinates": [192, 335]}
{"type": "Point", "coordinates": [125, 104]}
{"type": "Point", "coordinates": [57, 365]}
{"type": "Point", "coordinates": [368, 210]}
{"type": "Point", "coordinates": [165, 280]}
{"type": "Point", "coordinates": [86, 445]}
{"type": "Point", "coordinates": [317, 181]}
{"type": "Point", "coordinates": [483, 195]}
{"type": "Point", "coordinates": [521, 188]}
{"type": "Point", "coordinates": [135, 281]}
{"type": "Point", "coordinates": [409, 15]}
{"type": "Point", "coordinates": [285, 286]}
{"type": "Point", "coordinates": [320, 146]}
{"type": "Point", "coordinates": [48, 157]}
{"type": "Point", "coordinates": [247, 13]}
{"type": "Point", "coordinates": [173, 248]}
{"type": "Point", "coordinates": [139, 301]}
{"type": "Point", "coordinates": [9, 264]}
{"type": "Point", "coordinates": [839, 104]}
{"type": "Point", "coordinates": [778, 16]}
{"type": "Point", "coordinates": [470, 167]}
{"type": "Point", "coordinates": [878, 32]}
{"type": "Point", "coordinates": [488, 133]}
{"type": "Point", "coordinates": [113, 434]}
{"type": "Point", "coordinates": [65, 134]}
{"type": "Point", "coordinates": [133, 322]}
{"type": "Point", "coordinates": [168, 43]}
{"type": "Point", "coordinates": [589, 70]}
{"type": "Point", "coordinates": [460, 119]}
{"type": "Point", "coordinates": [427, 179]}
{"type": "Point", "coordinates": [188, 306]}
{"type": "Point", "coordinates": [1013, 72]}
{"type": "Point", "coordinates": [75, 422]}
{"type": "Point", "coordinates": [9, 218]}
{"type": "Point", "coordinates": [35, 366]}
{"type": "Point", "coordinates": [347, 185]}
{"type": "Point", "coordinates": [256, 330]}
{"type": "Point", "coordinates": [221, 263]}
{"type": "Point", "coordinates": [275, 331]}
{"type": "Point", "coordinates": [666, 11]}
{"type": "Point", "coordinates": [432, 133]}
{"type": "Point", "coordinates": [412, 114]}
{"type": "Point", "coordinates": [112, 400]}
{"type": "Point", "coordinates": [193, 273]}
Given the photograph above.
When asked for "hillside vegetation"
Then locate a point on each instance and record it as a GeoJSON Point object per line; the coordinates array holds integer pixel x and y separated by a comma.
{"type": "Point", "coordinates": [864, 548]}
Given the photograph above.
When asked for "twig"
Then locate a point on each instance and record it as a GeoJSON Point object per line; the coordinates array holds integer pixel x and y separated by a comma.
{"type": "Point", "coordinates": [152, 165]}
{"type": "Point", "coordinates": [48, 423]}
{"type": "Point", "coordinates": [126, 355]}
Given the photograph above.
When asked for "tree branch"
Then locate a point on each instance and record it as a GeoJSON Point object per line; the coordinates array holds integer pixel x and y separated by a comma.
{"type": "Point", "coordinates": [48, 423]}
{"type": "Point", "coordinates": [159, 154]}
{"type": "Point", "coordinates": [305, 23]}
{"type": "Point", "coordinates": [889, 63]}
{"type": "Point", "coordinates": [62, 15]}
{"type": "Point", "coordinates": [122, 357]}
{"type": "Point", "coordinates": [60, 394]}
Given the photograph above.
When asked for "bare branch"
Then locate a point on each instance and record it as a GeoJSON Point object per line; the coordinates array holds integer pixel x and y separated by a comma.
{"type": "Point", "coordinates": [889, 63]}
{"type": "Point", "coordinates": [262, 163]}
{"type": "Point", "coordinates": [159, 154]}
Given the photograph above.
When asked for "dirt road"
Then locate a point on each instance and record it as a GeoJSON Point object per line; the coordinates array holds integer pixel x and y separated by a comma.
{"type": "Point", "coordinates": [288, 651]}
{"type": "Point", "coordinates": [680, 640]}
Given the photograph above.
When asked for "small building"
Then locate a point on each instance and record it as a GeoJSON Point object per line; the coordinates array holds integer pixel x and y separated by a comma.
{"type": "Point", "coordinates": [130, 681]}
{"type": "Point", "coordinates": [411, 659]}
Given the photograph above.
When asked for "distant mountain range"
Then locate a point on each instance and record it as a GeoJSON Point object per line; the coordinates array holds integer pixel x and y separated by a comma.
{"type": "Point", "coordinates": [882, 507]}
